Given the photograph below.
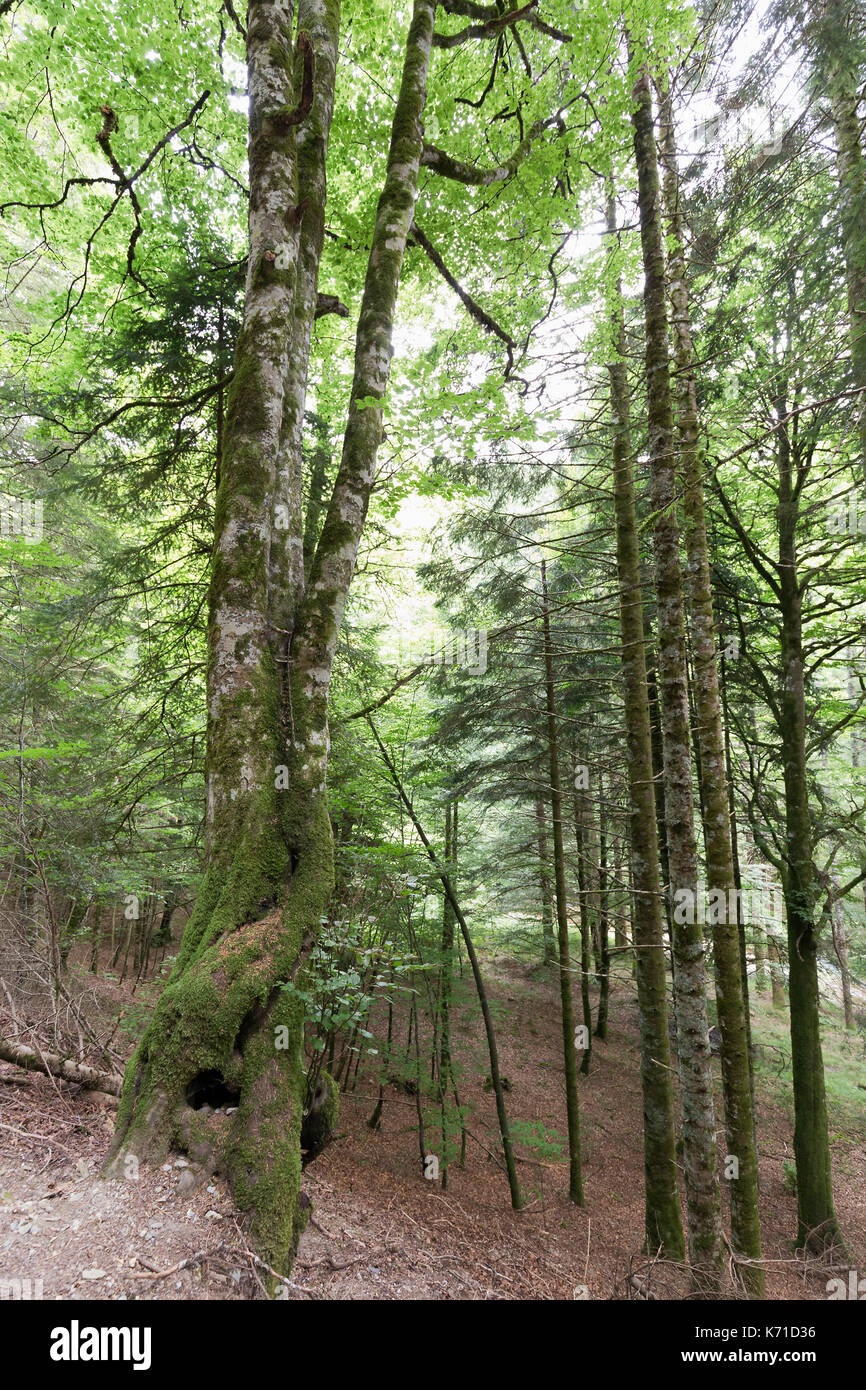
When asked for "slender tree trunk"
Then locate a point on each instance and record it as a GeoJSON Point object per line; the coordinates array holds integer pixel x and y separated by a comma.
{"type": "Point", "coordinates": [762, 981]}
{"type": "Point", "coordinates": [658, 771]}
{"type": "Point", "coordinates": [492, 1049]}
{"type": "Point", "coordinates": [774, 956]}
{"type": "Point", "coordinates": [445, 969]}
{"type": "Point", "coordinates": [572, 1102]}
{"type": "Point", "coordinates": [663, 1222]}
{"type": "Point", "coordinates": [693, 1050]}
{"type": "Point", "coordinates": [738, 878]}
{"type": "Point", "coordinates": [603, 925]}
{"type": "Point", "coordinates": [840, 946]}
{"type": "Point", "coordinates": [544, 884]}
{"type": "Point", "coordinates": [585, 929]}
{"type": "Point", "coordinates": [817, 1225]}
{"type": "Point", "coordinates": [619, 934]}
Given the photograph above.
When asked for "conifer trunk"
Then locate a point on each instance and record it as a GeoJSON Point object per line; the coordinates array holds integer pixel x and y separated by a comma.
{"type": "Point", "coordinates": [663, 1222]}
{"type": "Point", "coordinates": [572, 1102]}
{"type": "Point", "coordinates": [724, 924]}
{"type": "Point", "coordinates": [695, 1069]}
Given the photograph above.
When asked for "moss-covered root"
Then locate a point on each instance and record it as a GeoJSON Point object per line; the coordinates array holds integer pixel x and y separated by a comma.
{"type": "Point", "coordinates": [263, 1162]}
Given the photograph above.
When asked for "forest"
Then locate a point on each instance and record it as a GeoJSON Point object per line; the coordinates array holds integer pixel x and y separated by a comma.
{"type": "Point", "coordinates": [433, 652]}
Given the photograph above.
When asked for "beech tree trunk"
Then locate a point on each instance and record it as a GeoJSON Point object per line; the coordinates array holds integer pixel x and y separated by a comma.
{"type": "Point", "coordinates": [225, 1025]}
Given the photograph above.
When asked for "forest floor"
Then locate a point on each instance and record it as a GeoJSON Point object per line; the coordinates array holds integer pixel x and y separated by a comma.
{"type": "Point", "coordinates": [379, 1229]}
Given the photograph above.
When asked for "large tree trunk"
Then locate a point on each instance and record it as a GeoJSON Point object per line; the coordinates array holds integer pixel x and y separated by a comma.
{"type": "Point", "coordinates": [693, 1050]}
{"type": "Point", "coordinates": [225, 1026]}
{"type": "Point", "coordinates": [663, 1222]}
{"type": "Point", "coordinates": [736, 1079]}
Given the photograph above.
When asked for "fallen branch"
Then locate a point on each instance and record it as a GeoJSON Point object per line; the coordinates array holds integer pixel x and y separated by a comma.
{"type": "Point", "coordinates": [175, 1269]}
{"type": "Point", "coordinates": [63, 1067]}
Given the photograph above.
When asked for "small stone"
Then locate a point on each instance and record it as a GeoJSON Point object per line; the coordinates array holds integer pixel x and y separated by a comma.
{"type": "Point", "coordinates": [181, 1163]}
{"type": "Point", "coordinates": [93, 1274]}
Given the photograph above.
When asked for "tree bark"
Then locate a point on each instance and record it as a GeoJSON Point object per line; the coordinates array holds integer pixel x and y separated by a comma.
{"type": "Point", "coordinates": [544, 884]}
{"type": "Point", "coordinates": [572, 1100]}
{"type": "Point", "coordinates": [693, 1050]}
{"type": "Point", "coordinates": [715, 810]}
{"type": "Point", "coordinates": [226, 1017]}
{"type": "Point", "coordinates": [817, 1225]}
{"type": "Point", "coordinates": [663, 1222]}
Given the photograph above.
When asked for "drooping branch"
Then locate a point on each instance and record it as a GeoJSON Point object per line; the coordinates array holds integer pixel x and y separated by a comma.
{"type": "Point", "coordinates": [122, 185]}
{"type": "Point", "coordinates": [233, 16]}
{"type": "Point", "coordinates": [497, 53]}
{"type": "Point", "coordinates": [473, 308]}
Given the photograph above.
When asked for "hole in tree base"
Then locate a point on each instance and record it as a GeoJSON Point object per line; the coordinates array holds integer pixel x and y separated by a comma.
{"type": "Point", "coordinates": [210, 1088]}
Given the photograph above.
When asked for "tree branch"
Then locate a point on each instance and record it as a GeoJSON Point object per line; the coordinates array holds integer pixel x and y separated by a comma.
{"type": "Point", "coordinates": [459, 169]}
{"type": "Point", "coordinates": [474, 309]}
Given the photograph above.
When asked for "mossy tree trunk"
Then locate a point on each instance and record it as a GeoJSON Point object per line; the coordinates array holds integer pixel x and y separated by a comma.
{"type": "Point", "coordinates": [703, 1196]}
{"type": "Point", "coordinates": [662, 1205]}
{"type": "Point", "coordinates": [224, 1023]}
